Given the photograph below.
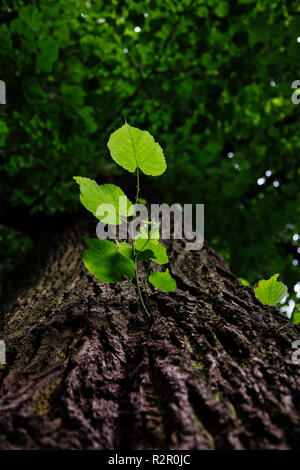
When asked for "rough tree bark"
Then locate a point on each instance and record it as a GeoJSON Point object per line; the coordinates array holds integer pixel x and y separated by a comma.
{"type": "Point", "coordinates": [86, 369]}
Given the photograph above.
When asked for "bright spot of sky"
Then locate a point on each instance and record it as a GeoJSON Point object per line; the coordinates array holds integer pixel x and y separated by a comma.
{"type": "Point", "coordinates": [230, 154]}
{"type": "Point", "coordinates": [261, 181]}
{"type": "Point", "coordinates": [125, 51]}
{"type": "Point", "coordinates": [137, 29]}
{"type": "Point", "coordinates": [298, 39]}
{"type": "Point", "coordinates": [295, 262]}
{"type": "Point", "coordinates": [289, 308]}
{"type": "Point", "coordinates": [145, 15]}
{"type": "Point", "coordinates": [272, 83]}
{"type": "Point", "coordinates": [268, 173]}
{"type": "Point", "coordinates": [297, 289]}
{"type": "Point", "coordinates": [296, 237]}
{"type": "Point", "coordinates": [100, 20]}
{"type": "Point", "coordinates": [276, 184]}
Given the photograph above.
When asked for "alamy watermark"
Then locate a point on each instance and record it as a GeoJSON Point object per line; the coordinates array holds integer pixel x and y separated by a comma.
{"type": "Point", "coordinates": [296, 354]}
{"type": "Point", "coordinates": [296, 95]}
{"type": "Point", "coordinates": [146, 224]}
{"type": "Point", "coordinates": [2, 353]}
{"type": "Point", "coordinates": [2, 92]}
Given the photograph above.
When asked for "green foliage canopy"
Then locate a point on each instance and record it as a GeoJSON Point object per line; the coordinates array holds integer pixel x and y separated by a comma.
{"type": "Point", "coordinates": [212, 79]}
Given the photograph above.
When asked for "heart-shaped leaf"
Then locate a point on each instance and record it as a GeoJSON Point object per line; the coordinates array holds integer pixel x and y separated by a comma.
{"type": "Point", "coordinates": [107, 202]}
{"type": "Point", "coordinates": [270, 291]}
{"type": "Point", "coordinates": [133, 148]}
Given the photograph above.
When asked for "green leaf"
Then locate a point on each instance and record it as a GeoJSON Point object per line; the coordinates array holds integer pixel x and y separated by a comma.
{"type": "Point", "coordinates": [30, 16]}
{"type": "Point", "coordinates": [92, 196]}
{"type": "Point", "coordinates": [150, 230]}
{"type": "Point", "coordinates": [244, 281]}
{"type": "Point", "coordinates": [222, 9]}
{"type": "Point", "coordinates": [73, 94]}
{"type": "Point", "coordinates": [163, 281]}
{"type": "Point", "coordinates": [207, 60]}
{"type": "Point", "coordinates": [86, 114]}
{"type": "Point", "coordinates": [16, 26]}
{"type": "Point", "coordinates": [153, 230]}
{"type": "Point", "coordinates": [3, 127]}
{"type": "Point", "coordinates": [151, 249]}
{"type": "Point", "coordinates": [296, 315]}
{"type": "Point", "coordinates": [132, 148]}
{"type": "Point", "coordinates": [125, 249]}
{"type": "Point", "coordinates": [142, 201]}
{"type": "Point", "coordinates": [103, 260]}
{"type": "Point", "coordinates": [48, 54]}
{"type": "Point", "coordinates": [5, 40]}
{"type": "Point", "coordinates": [202, 12]}
{"type": "Point", "coordinates": [270, 291]}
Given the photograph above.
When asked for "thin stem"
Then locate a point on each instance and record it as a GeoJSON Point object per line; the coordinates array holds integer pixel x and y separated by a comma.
{"type": "Point", "coordinates": [135, 254]}
{"type": "Point", "coordinates": [270, 314]}
{"type": "Point", "coordinates": [139, 289]}
{"type": "Point", "coordinates": [136, 199]}
{"type": "Point", "coordinates": [124, 219]}
{"type": "Point", "coordinates": [137, 184]}
{"type": "Point", "coordinates": [147, 275]}
{"type": "Point", "coordinates": [131, 283]}
{"type": "Point", "coordinates": [149, 268]}
{"type": "Point", "coordinates": [284, 326]}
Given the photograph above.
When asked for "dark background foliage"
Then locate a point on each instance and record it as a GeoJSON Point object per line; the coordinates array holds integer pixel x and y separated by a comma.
{"type": "Point", "coordinates": [210, 79]}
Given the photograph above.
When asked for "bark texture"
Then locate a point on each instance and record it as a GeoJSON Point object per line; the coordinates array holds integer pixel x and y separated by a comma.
{"type": "Point", "coordinates": [86, 369]}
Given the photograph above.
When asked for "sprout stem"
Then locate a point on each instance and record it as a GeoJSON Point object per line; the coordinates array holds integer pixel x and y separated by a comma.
{"type": "Point", "coordinates": [139, 289]}
{"type": "Point", "coordinates": [270, 314]}
{"type": "Point", "coordinates": [134, 250]}
{"type": "Point", "coordinates": [137, 185]}
{"type": "Point", "coordinates": [284, 326]}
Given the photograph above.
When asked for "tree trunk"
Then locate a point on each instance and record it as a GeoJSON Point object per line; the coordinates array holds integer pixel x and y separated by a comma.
{"type": "Point", "coordinates": [86, 369]}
